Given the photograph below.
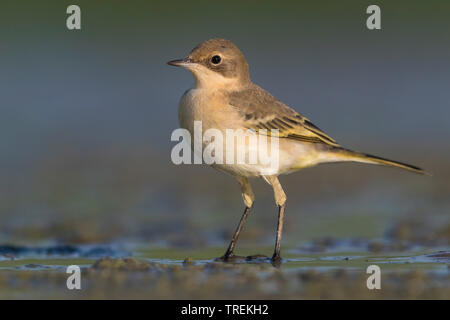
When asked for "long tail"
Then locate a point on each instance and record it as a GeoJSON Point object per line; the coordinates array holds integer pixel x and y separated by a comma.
{"type": "Point", "coordinates": [342, 154]}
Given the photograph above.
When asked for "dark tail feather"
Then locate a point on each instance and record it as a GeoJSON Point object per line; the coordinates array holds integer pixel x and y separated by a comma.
{"type": "Point", "coordinates": [349, 155]}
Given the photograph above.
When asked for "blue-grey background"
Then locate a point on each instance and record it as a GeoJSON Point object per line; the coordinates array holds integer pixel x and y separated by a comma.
{"type": "Point", "coordinates": [86, 118]}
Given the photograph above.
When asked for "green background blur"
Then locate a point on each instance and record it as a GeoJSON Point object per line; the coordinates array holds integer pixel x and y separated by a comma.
{"type": "Point", "coordinates": [86, 118]}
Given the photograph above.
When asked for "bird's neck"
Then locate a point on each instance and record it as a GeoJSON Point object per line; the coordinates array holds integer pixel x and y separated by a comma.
{"type": "Point", "coordinates": [215, 81]}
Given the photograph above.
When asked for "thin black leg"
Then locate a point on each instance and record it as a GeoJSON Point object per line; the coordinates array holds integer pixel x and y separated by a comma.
{"type": "Point", "coordinates": [230, 249]}
{"type": "Point", "coordinates": [276, 255]}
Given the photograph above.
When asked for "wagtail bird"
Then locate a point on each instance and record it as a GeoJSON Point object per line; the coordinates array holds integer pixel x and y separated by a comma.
{"type": "Point", "coordinates": [224, 98]}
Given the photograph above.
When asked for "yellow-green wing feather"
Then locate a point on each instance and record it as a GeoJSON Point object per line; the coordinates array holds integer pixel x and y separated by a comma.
{"type": "Point", "coordinates": [262, 111]}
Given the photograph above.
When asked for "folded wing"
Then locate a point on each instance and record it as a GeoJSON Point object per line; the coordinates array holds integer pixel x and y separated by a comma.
{"type": "Point", "coordinates": [262, 111]}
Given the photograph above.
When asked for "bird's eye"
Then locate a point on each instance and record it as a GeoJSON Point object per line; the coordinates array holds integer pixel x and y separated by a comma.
{"type": "Point", "coordinates": [216, 59]}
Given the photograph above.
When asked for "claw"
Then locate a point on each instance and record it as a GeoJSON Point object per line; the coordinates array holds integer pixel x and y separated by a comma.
{"type": "Point", "coordinates": [276, 261]}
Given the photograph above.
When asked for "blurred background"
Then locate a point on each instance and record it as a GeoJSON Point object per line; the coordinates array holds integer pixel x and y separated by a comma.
{"type": "Point", "coordinates": [86, 118]}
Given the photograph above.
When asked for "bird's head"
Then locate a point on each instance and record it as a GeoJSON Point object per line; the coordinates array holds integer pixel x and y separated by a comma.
{"type": "Point", "coordinates": [216, 63]}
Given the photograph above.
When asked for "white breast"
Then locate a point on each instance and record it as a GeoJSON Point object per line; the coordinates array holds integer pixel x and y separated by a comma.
{"type": "Point", "coordinates": [197, 105]}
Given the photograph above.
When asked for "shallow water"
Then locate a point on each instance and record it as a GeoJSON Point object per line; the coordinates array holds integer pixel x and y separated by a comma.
{"type": "Point", "coordinates": [170, 252]}
{"type": "Point", "coordinates": [112, 271]}
{"type": "Point", "coordinates": [59, 256]}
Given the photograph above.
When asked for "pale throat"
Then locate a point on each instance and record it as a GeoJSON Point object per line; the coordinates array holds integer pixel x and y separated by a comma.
{"type": "Point", "coordinates": [211, 80]}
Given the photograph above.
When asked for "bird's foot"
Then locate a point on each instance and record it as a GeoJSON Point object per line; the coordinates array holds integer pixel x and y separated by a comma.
{"type": "Point", "coordinates": [276, 260]}
{"type": "Point", "coordinates": [227, 257]}
{"type": "Point", "coordinates": [257, 258]}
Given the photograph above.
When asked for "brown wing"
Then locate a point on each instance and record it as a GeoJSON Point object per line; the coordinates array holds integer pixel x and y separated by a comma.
{"type": "Point", "coordinates": [262, 111]}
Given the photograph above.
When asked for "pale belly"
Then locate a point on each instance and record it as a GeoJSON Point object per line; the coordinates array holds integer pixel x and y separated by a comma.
{"type": "Point", "coordinates": [250, 156]}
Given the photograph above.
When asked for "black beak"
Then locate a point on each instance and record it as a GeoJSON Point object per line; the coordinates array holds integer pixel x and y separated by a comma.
{"type": "Point", "coordinates": [179, 62]}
